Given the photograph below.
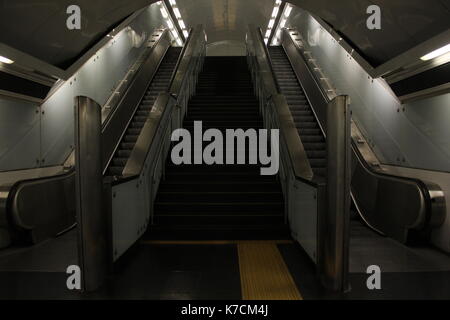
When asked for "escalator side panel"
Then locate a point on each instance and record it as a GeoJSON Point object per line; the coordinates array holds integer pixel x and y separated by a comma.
{"type": "Point", "coordinates": [42, 208]}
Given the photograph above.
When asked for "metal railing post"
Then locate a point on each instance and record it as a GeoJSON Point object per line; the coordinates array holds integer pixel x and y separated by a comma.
{"type": "Point", "coordinates": [91, 219]}
{"type": "Point", "coordinates": [334, 221]}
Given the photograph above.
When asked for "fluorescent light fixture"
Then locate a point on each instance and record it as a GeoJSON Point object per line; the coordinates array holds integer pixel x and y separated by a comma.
{"type": "Point", "coordinates": [277, 2]}
{"type": "Point", "coordinates": [436, 53]}
{"type": "Point", "coordinates": [181, 23]}
{"type": "Point", "coordinates": [170, 24]}
{"type": "Point", "coordinates": [266, 40]}
{"type": "Point", "coordinates": [287, 12]}
{"type": "Point", "coordinates": [268, 32]}
{"type": "Point", "coordinates": [164, 13]}
{"type": "Point", "coordinates": [177, 13]}
{"type": "Point", "coordinates": [275, 12]}
{"type": "Point", "coordinates": [179, 42]}
{"type": "Point", "coordinates": [186, 34]}
{"type": "Point", "coordinates": [283, 23]}
{"type": "Point", "coordinates": [173, 2]}
{"type": "Point", "coordinates": [6, 60]}
{"type": "Point", "coordinates": [175, 34]}
{"type": "Point", "coordinates": [271, 23]}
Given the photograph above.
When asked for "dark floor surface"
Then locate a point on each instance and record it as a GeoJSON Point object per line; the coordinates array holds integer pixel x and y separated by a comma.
{"type": "Point", "coordinates": [211, 272]}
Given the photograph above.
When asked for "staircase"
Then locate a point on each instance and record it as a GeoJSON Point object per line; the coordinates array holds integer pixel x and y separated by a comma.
{"type": "Point", "coordinates": [220, 201]}
{"type": "Point", "coordinates": [159, 84]}
{"type": "Point", "coordinates": [304, 118]}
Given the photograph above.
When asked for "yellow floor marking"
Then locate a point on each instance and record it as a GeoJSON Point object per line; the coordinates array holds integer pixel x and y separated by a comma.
{"type": "Point", "coordinates": [213, 242]}
{"type": "Point", "coordinates": [264, 275]}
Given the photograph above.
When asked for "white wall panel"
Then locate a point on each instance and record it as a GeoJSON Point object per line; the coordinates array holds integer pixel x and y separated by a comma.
{"type": "Point", "coordinates": [413, 135]}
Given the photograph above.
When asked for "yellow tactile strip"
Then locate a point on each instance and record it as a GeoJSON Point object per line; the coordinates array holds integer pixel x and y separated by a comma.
{"type": "Point", "coordinates": [264, 275]}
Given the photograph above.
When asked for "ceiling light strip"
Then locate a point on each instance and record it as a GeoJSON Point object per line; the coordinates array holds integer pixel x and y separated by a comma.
{"type": "Point", "coordinates": [278, 6]}
{"type": "Point", "coordinates": [6, 60]}
{"type": "Point", "coordinates": [179, 21]}
{"type": "Point", "coordinates": [281, 24]}
{"type": "Point", "coordinates": [436, 53]}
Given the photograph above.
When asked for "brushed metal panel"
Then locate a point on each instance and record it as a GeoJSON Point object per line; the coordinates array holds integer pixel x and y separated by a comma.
{"type": "Point", "coordinates": [91, 218]}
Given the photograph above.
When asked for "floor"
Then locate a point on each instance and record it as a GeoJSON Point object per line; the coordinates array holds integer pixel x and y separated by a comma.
{"type": "Point", "coordinates": [226, 270]}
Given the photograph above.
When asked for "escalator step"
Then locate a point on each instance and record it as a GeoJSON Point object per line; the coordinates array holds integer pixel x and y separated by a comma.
{"type": "Point", "coordinates": [314, 146]}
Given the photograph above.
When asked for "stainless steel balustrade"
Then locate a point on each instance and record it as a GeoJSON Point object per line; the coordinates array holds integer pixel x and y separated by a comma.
{"type": "Point", "coordinates": [317, 209]}
{"type": "Point", "coordinates": [130, 199]}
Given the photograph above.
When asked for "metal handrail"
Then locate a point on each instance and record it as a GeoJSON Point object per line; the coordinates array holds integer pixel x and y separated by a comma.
{"type": "Point", "coordinates": [114, 129]}
{"type": "Point", "coordinates": [161, 109]}
{"type": "Point", "coordinates": [107, 110]}
{"type": "Point", "coordinates": [180, 58]}
{"type": "Point", "coordinates": [268, 59]}
{"type": "Point", "coordinates": [269, 94]}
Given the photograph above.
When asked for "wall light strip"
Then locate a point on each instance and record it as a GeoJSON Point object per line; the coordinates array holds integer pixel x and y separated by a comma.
{"type": "Point", "coordinates": [436, 53]}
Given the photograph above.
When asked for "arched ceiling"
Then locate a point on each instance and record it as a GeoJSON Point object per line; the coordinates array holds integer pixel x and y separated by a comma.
{"type": "Point", "coordinates": [226, 19]}
{"type": "Point", "coordinates": [38, 27]}
{"type": "Point", "coordinates": [404, 24]}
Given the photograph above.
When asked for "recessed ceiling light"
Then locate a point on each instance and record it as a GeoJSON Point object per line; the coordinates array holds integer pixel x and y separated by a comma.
{"type": "Point", "coordinates": [436, 53]}
{"type": "Point", "coordinates": [177, 13]}
{"type": "Point", "coordinates": [288, 11]}
{"type": "Point", "coordinates": [6, 60]}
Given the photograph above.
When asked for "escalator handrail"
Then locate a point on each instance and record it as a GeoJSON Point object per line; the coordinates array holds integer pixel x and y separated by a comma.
{"type": "Point", "coordinates": [136, 98]}
{"type": "Point", "coordinates": [147, 55]}
{"type": "Point", "coordinates": [433, 195]}
{"type": "Point", "coordinates": [297, 157]}
{"type": "Point", "coordinates": [189, 52]}
{"type": "Point", "coordinates": [268, 59]}
{"type": "Point", "coordinates": [163, 107]}
{"type": "Point", "coordinates": [180, 58]}
{"type": "Point", "coordinates": [11, 208]}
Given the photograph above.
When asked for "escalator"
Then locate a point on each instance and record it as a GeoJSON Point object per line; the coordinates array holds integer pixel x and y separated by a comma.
{"type": "Point", "coordinates": [220, 201]}
{"type": "Point", "coordinates": [159, 84]}
{"type": "Point", "coordinates": [304, 118]}
{"type": "Point", "coordinates": [31, 219]}
{"type": "Point", "coordinates": [405, 209]}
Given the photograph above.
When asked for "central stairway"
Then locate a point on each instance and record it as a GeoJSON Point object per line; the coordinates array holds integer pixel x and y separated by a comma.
{"type": "Point", "coordinates": [220, 202]}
